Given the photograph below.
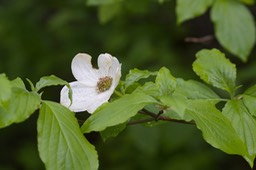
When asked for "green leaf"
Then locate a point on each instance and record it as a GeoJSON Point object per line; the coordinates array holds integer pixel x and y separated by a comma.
{"type": "Point", "coordinates": [249, 99]}
{"type": "Point", "coordinates": [117, 112]}
{"type": "Point", "coordinates": [216, 128]}
{"type": "Point", "coordinates": [192, 89]}
{"type": "Point", "coordinates": [251, 91]}
{"type": "Point", "coordinates": [250, 103]}
{"type": "Point", "coordinates": [140, 118]}
{"type": "Point", "coordinates": [234, 27]}
{"type": "Point", "coordinates": [149, 88]}
{"type": "Point", "coordinates": [18, 83]}
{"type": "Point", "coordinates": [136, 75]}
{"type": "Point", "coordinates": [108, 12]}
{"type": "Point", "coordinates": [248, 2]}
{"type": "Point", "coordinates": [165, 82]}
{"type": "Point", "coordinates": [216, 70]}
{"type": "Point", "coordinates": [112, 131]}
{"type": "Point", "coordinates": [188, 9]}
{"type": "Point", "coordinates": [20, 106]}
{"type": "Point", "coordinates": [61, 144]}
{"type": "Point", "coordinates": [49, 81]}
{"type": "Point", "coordinates": [32, 87]}
{"type": "Point", "coordinates": [101, 2]}
{"type": "Point", "coordinates": [243, 123]}
{"type": "Point", "coordinates": [176, 106]}
{"type": "Point", "coordinates": [5, 87]}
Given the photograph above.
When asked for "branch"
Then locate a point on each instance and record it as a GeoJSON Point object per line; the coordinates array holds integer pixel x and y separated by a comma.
{"type": "Point", "coordinates": [204, 39]}
{"type": "Point", "coordinates": [153, 117]}
{"type": "Point", "coordinates": [146, 112]}
{"type": "Point", "coordinates": [156, 117]}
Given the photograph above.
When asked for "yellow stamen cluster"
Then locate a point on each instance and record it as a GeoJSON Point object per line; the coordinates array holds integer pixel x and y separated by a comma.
{"type": "Point", "coordinates": [104, 84]}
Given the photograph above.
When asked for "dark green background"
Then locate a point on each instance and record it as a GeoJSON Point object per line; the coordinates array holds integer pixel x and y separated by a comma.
{"type": "Point", "coordinates": [39, 38]}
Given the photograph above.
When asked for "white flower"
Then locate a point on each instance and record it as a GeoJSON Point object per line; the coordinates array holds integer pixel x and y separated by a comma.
{"type": "Point", "coordinates": [93, 86]}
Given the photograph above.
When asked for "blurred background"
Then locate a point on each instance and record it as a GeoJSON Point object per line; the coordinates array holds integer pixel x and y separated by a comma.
{"type": "Point", "coordinates": [40, 37]}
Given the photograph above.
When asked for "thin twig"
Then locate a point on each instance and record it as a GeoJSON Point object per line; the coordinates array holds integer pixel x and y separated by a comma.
{"type": "Point", "coordinates": [156, 117]}
{"type": "Point", "coordinates": [160, 118]}
{"type": "Point", "coordinates": [203, 39]}
{"type": "Point", "coordinates": [176, 120]}
{"type": "Point", "coordinates": [146, 112]}
{"type": "Point", "coordinates": [153, 117]}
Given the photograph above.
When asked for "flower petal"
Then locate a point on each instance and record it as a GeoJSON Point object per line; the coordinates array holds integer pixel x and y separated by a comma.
{"type": "Point", "coordinates": [84, 91]}
{"type": "Point", "coordinates": [115, 71]}
{"type": "Point", "coordinates": [98, 100]}
{"type": "Point", "coordinates": [117, 76]}
{"type": "Point", "coordinates": [109, 66]}
{"type": "Point", "coordinates": [84, 97]}
{"type": "Point", "coordinates": [115, 67]}
{"type": "Point", "coordinates": [104, 63]}
{"type": "Point", "coordinates": [82, 69]}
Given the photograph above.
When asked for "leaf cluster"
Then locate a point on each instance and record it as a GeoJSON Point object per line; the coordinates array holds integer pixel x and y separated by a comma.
{"type": "Point", "coordinates": [233, 22]}
{"type": "Point", "coordinates": [61, 144]}
{"type": "Point", "coordinates": [227, 121]}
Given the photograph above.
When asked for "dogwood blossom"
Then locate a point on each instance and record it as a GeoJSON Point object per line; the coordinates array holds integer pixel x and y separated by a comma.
{"type": "Point", "coordinates": [93, 86]}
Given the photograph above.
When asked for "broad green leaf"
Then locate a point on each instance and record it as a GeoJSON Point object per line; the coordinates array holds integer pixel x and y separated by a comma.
{"type": "Point", "coordinates": [188, 9]}
{"type": "Point", "coordinates": [117, 112]}
{"type": "Point", "coordinates": [18, 83]}
{"type": "Point", "coordinates": [243, 123]}
{"type": "Point", "coordinates": [176, 106]}
{"type": "Point", "coordinates": [216, 70]}
{"type": "Point", "coordinates": [216, 128]}
{"type": "Point", "coordinates": [192, 89]}
{"type": "Point", "coordinates": [250, 103]}
{"type": "Point", "coordinates": [141, 117]}
{"type": "Point", "coordinates": [136, 75]}
{"type": "Point", "coordinates": [248, 2]}
{"type": "Point", "coordinates": [249, 99]}
{"type": "Point", "coordinates": [112, 131]}
{"type": "Point", "coordinates": [234, 27]}
{"type": "Point", "coordinates": [20, 106]}
{"type": "Point", "coordinates": [165, 81]}
{"type": "Point", "coordinates": [101, 2]}
{"type": "Point", "coordinates": [108, 11]}
{"type": "Point", "coordinates": [5, 88]}
{"type": "Point", "coordinates": [251, 91]}
{"type": "Point", "coordinates": [49, 81]}
{"type": "Point", "coordinates": [130, 89]}
{"type": "Point", "coordinates": [149, 88]}
{"type": "Point", "coordinates": [61, 144]}
{"type": "Point", "coordinates": [32, 87]}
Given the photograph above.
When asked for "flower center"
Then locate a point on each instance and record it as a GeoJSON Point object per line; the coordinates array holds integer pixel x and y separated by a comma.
{"type": "Point", "coordinates": [104, 84]}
